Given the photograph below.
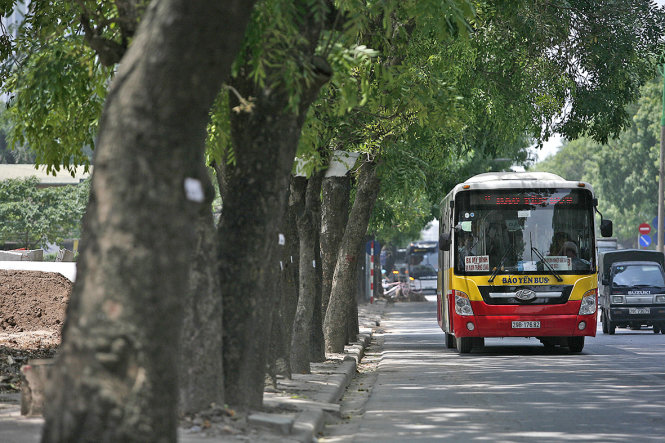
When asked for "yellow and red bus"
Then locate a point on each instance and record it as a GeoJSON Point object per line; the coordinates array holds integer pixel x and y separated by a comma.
{"type": "Point", "coordinates": [518, 259]}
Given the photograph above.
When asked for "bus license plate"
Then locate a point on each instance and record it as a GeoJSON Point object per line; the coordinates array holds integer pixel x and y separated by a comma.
{"type": "Point", "coordinates": [639, 310]}
{"type": "Point", "coordinates": [526, 324]}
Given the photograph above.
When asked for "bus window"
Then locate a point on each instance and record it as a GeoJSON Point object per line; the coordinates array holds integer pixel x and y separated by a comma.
{"type": "Point", "coordinates": [524, 231]}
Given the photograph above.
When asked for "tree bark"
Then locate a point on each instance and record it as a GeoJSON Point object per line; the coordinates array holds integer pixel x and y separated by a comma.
{"type": "Point", "coordinates": [307, 328]}
{"type": "Point", "coordinates": [334, 215]}
{"type": "Point", "coordinates": [342, 299]}
{"type": "Point", "coordinates": [272, 279]}
{"type": "Point", "coordinates": [115, 376]}
{"type": "Point", "coordinates": [282, 326]}
{"type": "Point", "coordinates": [302, 325]}
{"type": "Point", "coordinates": [265, 140]}
{"type": "Point", "coordinates": [200, 371]}
{"type": "Point", "coordinates": [317, 344]}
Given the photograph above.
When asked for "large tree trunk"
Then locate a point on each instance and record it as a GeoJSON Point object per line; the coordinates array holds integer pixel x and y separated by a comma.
{"type": "Point", "coordinates": [200, 372]}
{"type": "Point", "coordinates": [342, 300]}
{"type": "Point", "coordinates": [305, 329]}
{"type": "Point", "coordinates": [265, 140]}
{"type": "Point", "coordinates": [115, 376]}
{"type": "Point", "coordinates": [282, 326]}
{"type": "Point", "coordinates": [302, 325]}
{"type": "Point", "coordinates": [334, 215]}
{"type": "Point", "coordinates": [272, 279]}
{"type": "Point", "coordinates": [317, 343]}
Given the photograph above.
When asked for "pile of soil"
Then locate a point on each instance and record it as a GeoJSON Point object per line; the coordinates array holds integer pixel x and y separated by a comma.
{"type": "Point", "coordinates": [32, 311]}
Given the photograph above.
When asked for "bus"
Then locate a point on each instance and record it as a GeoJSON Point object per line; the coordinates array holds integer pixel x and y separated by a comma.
{"type": "Point", "coordinates": [517, 258]}
{"type": "Point", "coordinates": [422, 260]}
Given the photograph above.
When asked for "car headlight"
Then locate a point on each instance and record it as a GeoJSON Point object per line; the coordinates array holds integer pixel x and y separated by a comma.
{"type": "Point", "coordinates": [660, 298]}
{"type": "Point", "coordinates": [588, 305]}
{"type": "Point", "coordinates": [618, 299]}
{"type": "Point", "coordinates": [462, 303]}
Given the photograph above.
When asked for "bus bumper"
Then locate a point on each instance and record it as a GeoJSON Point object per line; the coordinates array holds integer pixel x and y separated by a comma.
{"type": "Point", "coordinates": [562, 325]}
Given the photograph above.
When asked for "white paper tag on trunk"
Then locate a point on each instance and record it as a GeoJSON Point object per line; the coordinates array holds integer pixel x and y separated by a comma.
{"type": "Point", "coordinates": [194, 190]}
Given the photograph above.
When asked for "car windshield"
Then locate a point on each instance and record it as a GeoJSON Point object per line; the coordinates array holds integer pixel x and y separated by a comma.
{"type": "Point", "coordinates": [638, 275]}
{"type": "Point", "coordinates": [522, 231]}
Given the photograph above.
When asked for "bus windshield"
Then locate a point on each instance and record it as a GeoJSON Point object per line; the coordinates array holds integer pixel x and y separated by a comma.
{"type": "Point", "coordinates": [524, 231]}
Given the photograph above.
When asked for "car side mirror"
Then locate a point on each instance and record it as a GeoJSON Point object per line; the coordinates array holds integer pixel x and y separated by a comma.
{"type": "Point", "coordinates": [444, 241]}
{"type": "Point", "coordinates": [606, 228]}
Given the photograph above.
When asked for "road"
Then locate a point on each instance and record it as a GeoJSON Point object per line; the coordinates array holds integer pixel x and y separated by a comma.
{"type": "Point", "coordinates": [514, 390]}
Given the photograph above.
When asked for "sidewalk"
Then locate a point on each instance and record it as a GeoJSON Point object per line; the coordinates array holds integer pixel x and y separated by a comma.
{"type": "Point", "coordinates": [297, 408]}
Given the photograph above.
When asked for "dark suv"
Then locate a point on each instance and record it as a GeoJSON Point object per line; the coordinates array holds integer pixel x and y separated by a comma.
{"type": "Point", "coordinates": [631, 289]}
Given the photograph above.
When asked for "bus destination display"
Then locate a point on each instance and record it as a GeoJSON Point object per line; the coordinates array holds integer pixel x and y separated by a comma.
{"type": "Point", "coordinates": [524, 199]}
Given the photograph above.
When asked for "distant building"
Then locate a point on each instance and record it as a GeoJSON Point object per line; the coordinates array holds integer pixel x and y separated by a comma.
{"type": "Point", "coordinates": [63, 177]}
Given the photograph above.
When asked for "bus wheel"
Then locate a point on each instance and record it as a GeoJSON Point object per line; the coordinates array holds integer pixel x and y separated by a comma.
{"type": "Point", "coordinates": [450, 340]}
{"type": "Point", "coordinates": [575, 344]}
{"type": "Point", "coordinates": [464, 344]}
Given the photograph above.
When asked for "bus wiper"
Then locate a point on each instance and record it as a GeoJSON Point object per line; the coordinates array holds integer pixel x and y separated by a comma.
{"type": "Point", "coordinates": [546, 263]}
{"type": "Point", "coordinates": [496, 269]}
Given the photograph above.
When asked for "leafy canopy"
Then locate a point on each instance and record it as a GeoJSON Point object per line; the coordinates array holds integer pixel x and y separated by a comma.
{"type": "Point", "coordinates": [624, 171]}
{"type": "Point", "coordinates": [34, 216]}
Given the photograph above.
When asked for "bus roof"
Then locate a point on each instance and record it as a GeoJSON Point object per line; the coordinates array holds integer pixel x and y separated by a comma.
{"type": "Point", "coordinates": [521, 180]}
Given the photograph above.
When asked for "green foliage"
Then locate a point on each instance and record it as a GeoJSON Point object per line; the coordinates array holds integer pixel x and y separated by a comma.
{"type": "Point", "coordinates": [62, 90]}
{"type": "Point", "coordinates": [18, 154]}
{"type": "Point", "coordinates": [572, 161]}
{"type": "Point", "coordinates": [57, 72]}
{"type": "Point", "coordinates": [410, 114]}
{"type": "Point", "coordinates": [34, 216]}
{"type": "Point", "coordinates": [219, 148]}
{"type": "Point", "coordinates": [624, 171]}
{"type": "Point", "coordinates": [575, 60]}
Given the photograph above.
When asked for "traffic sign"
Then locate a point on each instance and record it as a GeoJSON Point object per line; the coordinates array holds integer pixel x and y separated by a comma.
{"type": "Point", "coordinates": [644, 228]}
{"type": "Point", "coordinates": [645, 240]}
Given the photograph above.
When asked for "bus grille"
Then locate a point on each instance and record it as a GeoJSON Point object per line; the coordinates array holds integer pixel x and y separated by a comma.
{"type": "Point", "coordinates": [544, 295]}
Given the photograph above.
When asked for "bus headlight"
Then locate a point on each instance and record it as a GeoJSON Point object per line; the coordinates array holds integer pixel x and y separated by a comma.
{"type": "Point", "coordinates": [618, 299]}
{"type": "Point", "coordinates": [462, 303]}
{"type": "Point", "coordinates": [588, 305]}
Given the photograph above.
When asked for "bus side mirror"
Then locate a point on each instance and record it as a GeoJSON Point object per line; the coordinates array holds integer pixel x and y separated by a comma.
{"type": "Point", "coordinates": [606, 228]}
{"type": "Point", "coordinates": [444, 241]}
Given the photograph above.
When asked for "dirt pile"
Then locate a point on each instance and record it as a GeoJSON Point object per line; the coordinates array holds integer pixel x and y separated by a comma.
{"type": "Point", "coordinates": [32, 310]}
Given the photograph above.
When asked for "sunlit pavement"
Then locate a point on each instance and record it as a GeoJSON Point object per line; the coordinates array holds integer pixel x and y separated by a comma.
{"type": "Point", "coordinates": [514, 389]}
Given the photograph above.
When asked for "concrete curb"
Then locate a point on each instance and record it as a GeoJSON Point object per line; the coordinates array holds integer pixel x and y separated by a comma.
{"type": "Point", "coordinates": [310, 422]}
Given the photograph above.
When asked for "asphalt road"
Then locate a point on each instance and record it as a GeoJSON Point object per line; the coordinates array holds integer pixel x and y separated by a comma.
{"type": "Point", "coordinates": [514, 390]}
